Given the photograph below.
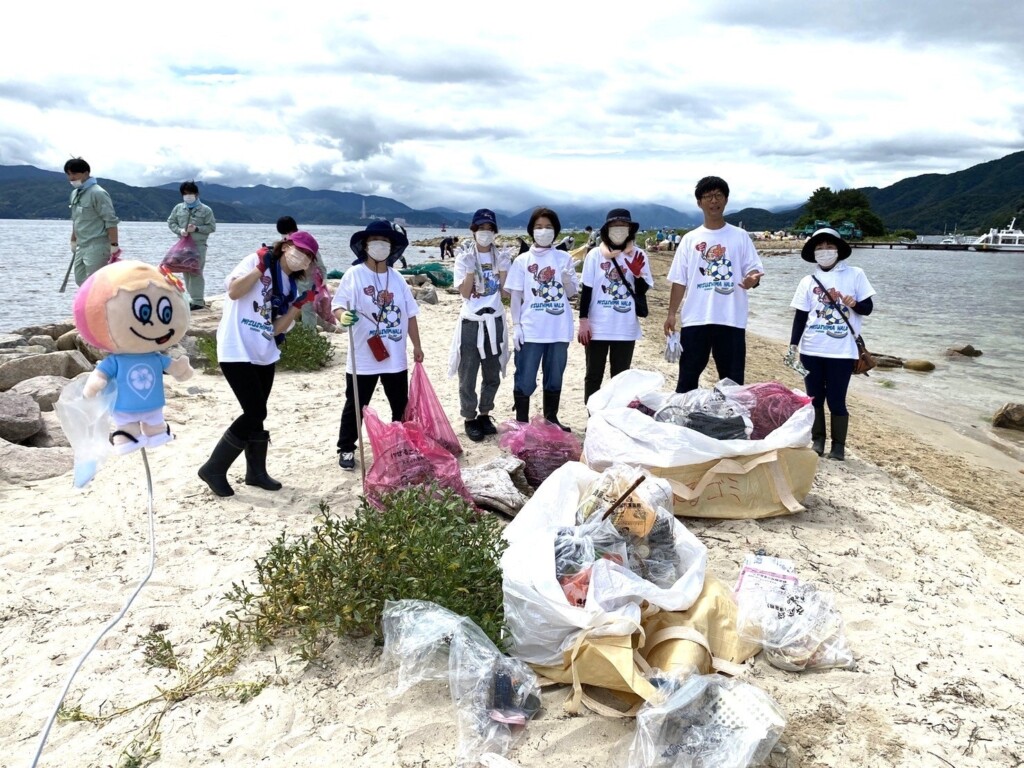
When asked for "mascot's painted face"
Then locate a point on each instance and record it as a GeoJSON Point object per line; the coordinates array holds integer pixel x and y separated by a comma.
{"type": "Point", "coordinates": [147, 319]}
{"type": "Point", "coordinates": [129, 307]}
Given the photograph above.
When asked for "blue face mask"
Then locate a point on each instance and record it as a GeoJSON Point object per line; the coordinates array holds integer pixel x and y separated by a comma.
{"type": "Point", "coordinates": [191, 201]}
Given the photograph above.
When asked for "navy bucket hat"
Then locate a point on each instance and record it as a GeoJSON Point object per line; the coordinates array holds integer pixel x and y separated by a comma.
{"type": "Point", "coordinates": [395, 234]}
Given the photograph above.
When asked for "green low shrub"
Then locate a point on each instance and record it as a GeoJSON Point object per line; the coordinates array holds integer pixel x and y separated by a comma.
{"type": "Point", "coordinates": [304, 349]}
{"type": "Point", "coordinates": [425, 544]}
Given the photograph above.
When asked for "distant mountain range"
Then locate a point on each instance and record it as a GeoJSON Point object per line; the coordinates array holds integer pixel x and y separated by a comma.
{"type": "Point", "coordinates": [977, 198]}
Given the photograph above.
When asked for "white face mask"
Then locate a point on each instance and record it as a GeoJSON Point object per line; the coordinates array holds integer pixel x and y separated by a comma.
{"type": "Point", "coordinates": [76, 183]}
{"type": "Point", "coordinates": [543, 237]}
{"type": "Point", "coordinates": [826, 257]}
{"type": "Point", "coordinates": [189, 198]}
{"type": "Point", "coordinates": [618, 235]}
{"type": "Point", "coordinates": [484, 238]}
{"type": "Point", "coordinates": [378, 250]}
{"type": "Point", "coordinates": [296, 260]}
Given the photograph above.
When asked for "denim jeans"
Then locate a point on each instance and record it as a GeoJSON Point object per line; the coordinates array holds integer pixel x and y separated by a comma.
{"type": "Point", "coordinates": [529, 358]}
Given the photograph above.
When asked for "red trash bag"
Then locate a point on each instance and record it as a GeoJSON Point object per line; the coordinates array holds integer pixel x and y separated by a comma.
{"type": "Point", "coordinates": [183, 256]}
{"type": "Point", "coordinates": [425, 409]}
{"type": "Point", "coordinates": [404, 456]}
{"type": "Point", "coordinates": [542, 446]}
{"type": "Point", "coordinates": [322, 299]}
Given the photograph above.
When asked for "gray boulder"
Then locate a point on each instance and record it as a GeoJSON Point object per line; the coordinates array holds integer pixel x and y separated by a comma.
{"type": "Point", "coordinates": [50, 436]}
{"type": "Point", "coordinates": [1010, 416]}
{"type": "Point", "coordinates": [45, 342]}
{"type": "Point", "coordinates": [19, 417]}
{"type": "Point", "coordinates": [43, 389]}
{"type": "Point", "coordinates": [963, 351]}
{"type": "Point", "coordinates": [68, 341]}
{"type": "Point", "coordinates": [53, 330]}
{"type": "Point", "coordinates": [66, 364]}
{"type": "Point", "coordinates": [87, 350]}
{"type": "Point", "coordinates": [426, 295]}
{"type": "Point", "coordinates": [19, 464]}
{"type": "Point", "coordinates": [888, 361]}
{"type": "Point", "coordinates": [11, 340]}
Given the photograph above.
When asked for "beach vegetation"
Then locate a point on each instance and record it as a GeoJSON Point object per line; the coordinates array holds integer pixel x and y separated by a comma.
{"type": "Point", "coordinates": [887, 383]}
{"type": "Point", "coordinates": [304, 349]}
{"type": "Point", "coordinates": [423, 544]}
{"type": "Point", "coordinates": [207, 347]}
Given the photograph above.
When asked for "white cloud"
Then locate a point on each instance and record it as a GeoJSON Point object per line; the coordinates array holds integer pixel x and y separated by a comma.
{"type": "Point", "coordinates": [459, 104]}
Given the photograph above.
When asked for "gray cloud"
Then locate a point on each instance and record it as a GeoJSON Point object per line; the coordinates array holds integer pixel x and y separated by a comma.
{"type": "Point", "coordinates": [44, 96]}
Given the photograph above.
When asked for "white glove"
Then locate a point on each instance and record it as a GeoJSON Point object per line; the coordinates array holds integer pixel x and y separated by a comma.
{"type": "Point", "coordinates": [74, 246]}
{"type": "Point", "coordinates": [673, 349]}
{"type": "Point", "coordinates": [518, 336]}
{"type": "Point", "coordinates": [182, 233]}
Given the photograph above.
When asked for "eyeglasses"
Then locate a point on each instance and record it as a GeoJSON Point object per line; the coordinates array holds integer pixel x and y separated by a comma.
{"type": "Point", "coordinates": [712, 197]}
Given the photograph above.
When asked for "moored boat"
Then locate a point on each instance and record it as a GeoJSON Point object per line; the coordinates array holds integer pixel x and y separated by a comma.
{"type": "Point", "coordinates": [1009, 239]}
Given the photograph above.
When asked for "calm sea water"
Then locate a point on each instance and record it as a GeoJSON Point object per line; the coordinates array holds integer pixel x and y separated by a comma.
{"type": "Point", "coordinates": [925, 302]}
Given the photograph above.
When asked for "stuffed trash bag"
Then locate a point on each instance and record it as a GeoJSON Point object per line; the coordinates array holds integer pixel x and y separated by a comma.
{"type": "Point", "coordinates": [542, 447]}
{"type": "Point", "coordinates": [86, 422]}
{"type": "Point", "coordinates": [739, 478]}
{"type": "Point", "coordinates": [425, 409]}
{"type": "Point", "coordinates": [183, 256]}
{"type": "Point", "coordinates": [494, 695]}
{"type": "Point", "coordinates": [702, 721]}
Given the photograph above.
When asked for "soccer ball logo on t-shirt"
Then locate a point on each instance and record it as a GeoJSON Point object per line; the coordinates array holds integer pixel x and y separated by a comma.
{"type": "Point", "coordinates": [615, 288]}
{"type": "Point", "coordinates": [718, 269]}
{"type": "Point", "coordinates": [548, 290]}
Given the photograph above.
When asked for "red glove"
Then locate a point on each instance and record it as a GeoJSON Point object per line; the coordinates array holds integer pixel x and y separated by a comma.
{"type": "Point", "coordinates": [636, 264]}
{"type": "Point", "coordinates": [261, 259]}
{"type": "Point", "coordinates": [304, 299]}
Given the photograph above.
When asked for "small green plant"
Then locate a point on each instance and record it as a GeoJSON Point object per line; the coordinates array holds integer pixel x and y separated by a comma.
{"type": "Point", "coordinates": [887, 383]}
{"type": "Point", "coordinates": [425, 544]}
{"type": "Point", "coordinates": [207, 347]}
{"type": "Point", "coordinates": [157, 651]}
{"type": "Point", "coordinates": [305, 350]}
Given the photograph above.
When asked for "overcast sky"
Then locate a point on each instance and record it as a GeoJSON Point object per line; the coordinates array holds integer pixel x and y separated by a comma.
{"type": "Point", "coordinates": [512, 104]}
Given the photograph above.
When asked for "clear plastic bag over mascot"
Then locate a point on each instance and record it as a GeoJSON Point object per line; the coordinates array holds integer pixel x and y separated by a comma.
{"type": "Point", "coordinates": [136, 312]}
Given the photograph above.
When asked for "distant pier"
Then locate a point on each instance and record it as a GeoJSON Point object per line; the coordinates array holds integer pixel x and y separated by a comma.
{"type": "Point", "coordinates": [915, 246]}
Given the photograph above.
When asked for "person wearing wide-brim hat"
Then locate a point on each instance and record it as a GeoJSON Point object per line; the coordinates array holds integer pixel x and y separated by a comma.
{"type": "Point", "coordinates": [480, 342]}
{"type": "Point", "coordinates": [615, 273]}
{"type": "Point", "coordinates": [374, 301]}
{"type": "Point", "coordinates": [830, 305]}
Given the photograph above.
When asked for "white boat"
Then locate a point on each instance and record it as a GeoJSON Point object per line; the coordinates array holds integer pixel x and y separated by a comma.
{"type": "Point", "coordinates": [1009, 239]}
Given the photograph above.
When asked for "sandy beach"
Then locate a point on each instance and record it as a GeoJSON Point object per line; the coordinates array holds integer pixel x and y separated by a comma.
{"type": "Point", "coordinates": [918, 535]}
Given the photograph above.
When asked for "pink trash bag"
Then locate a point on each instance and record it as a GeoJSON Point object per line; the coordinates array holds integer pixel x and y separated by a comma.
{"type": "Point", "coordinates": [322, 299]}
{"type": "Point", "coordinates": [183, 256]}
{"type": "Point", "coordinates": [542, 446]}
{"type": "Point", "coordinates": [425, 410]}
{"type": "Point", "coordinates": [404, 456]}
{"type": "Point", "coordinates": [770, 405]}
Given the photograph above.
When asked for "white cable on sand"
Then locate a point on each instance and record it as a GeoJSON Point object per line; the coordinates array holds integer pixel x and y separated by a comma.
{"type": "Point", "coordinates": [152, 565]}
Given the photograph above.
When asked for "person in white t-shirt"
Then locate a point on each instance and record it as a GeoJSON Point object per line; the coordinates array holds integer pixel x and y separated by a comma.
{"type": "Point", "coordinates": [262, 305]}
{"type": "Point", "coordinates": [540, 284]}
{"type": "Point", "coordinates": [375, 301]}
{"type": "Point", "coordinates": [614, 274]}
{"type": "Point", "coordinates": [480, 342]}
{"type": "Point", "coordinates": [829, 305]}
{"type": "Point", "coordinates": [706, 278]}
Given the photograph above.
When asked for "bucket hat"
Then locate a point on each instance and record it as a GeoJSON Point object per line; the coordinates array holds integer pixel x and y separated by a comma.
{"type": "Point", "coordinates": [826, 233]}
{"type": "Point", "coordinates": [380, 228]}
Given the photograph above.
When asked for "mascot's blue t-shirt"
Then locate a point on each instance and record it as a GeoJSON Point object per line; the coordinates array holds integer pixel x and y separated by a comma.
{"type": "Point", "coordinates": [139, 378]}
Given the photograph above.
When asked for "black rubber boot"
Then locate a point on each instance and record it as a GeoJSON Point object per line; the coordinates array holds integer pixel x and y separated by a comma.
{"type": "Point", "coordinates": [522, 403]}
{"type": "Point", "coordinates": [215, 471]}
{"type": "Point", "coordinates": [256, 463]}
{"type": "Point", "coordinates": [839, 426]}
{"type": "Point", "coordinates": [818, 431]}
{"type": "Point", "coordinates": [551, 400]}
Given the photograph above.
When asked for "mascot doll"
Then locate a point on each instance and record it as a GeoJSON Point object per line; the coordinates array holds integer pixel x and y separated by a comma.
{"type": "Point", "coordinates": [134, 311]}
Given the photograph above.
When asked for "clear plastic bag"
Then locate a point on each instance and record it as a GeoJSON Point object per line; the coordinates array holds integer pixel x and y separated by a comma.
{"type": "Point", "coordinates": [403, 455]}
{"type": "Point", "coordinates": [542, 446]}
{"type": "Point", "coordinates": [426, 410]}
{"type": "Point", "coordinates": [183, 256]}
{"type": "Point", "coordinates": [637, 509]}
{"type": "Point", "coordinates": [709, 411]}
{"type": "Point", "coordinates": [797, 625]}
{"type": "Point", "coordinates": [494, 695]}
{"type": "Point", "coordinates": [86, 422]}
{"type": "Point", "coordinates": [577, 548]}
{"type": "Point", "coordinates": [706, 721]}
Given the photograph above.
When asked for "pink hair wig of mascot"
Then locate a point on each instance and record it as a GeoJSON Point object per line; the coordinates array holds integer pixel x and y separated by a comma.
{"type": "Point", "coordinates": [90, 305]}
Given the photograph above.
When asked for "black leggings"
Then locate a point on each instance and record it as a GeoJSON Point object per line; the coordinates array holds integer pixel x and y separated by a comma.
{"type": "Point", "coordinates": [396, 389]}
{"type": "Point", "coordinates": [827, 381]}
{"type": "Point", "coordinates": [251, 384]}
{"type": "Point", "coordinates": [598, 352]}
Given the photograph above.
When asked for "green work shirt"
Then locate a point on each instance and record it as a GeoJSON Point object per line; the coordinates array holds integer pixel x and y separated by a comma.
{"type": "Point", "coordinates": [201, 216]}
{"type": "Point", "coordinates": [92, 214]}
